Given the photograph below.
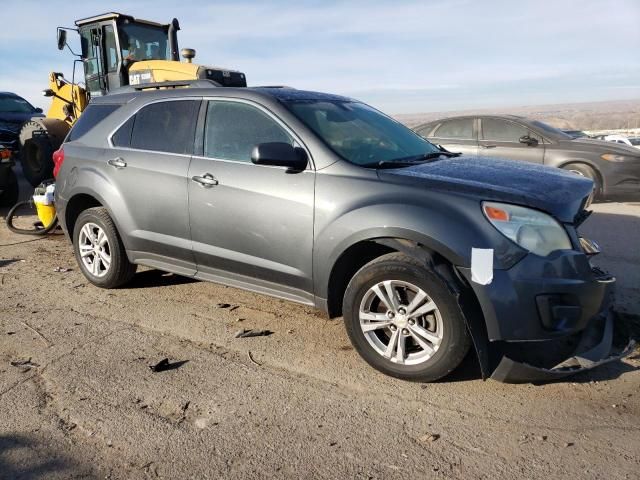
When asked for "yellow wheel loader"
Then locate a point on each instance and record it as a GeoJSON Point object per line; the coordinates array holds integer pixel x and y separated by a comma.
{"type": "Point", "coordinates": [116, 50]}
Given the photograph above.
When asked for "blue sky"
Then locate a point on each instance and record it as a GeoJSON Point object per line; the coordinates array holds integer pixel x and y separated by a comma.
{"type": "Point", "coordinates": [401, 56]}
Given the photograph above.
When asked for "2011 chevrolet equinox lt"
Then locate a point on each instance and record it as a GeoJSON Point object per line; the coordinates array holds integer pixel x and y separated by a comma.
{"type": "Point", "coordinates": [323, 200]}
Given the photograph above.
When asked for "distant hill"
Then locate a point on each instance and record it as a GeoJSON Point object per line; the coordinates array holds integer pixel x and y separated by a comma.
{"type": "Point", "coordinates": [618, 114]}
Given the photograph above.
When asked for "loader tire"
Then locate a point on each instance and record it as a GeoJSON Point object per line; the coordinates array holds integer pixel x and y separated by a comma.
{"type": "Point", "coordinates": [39, 138]}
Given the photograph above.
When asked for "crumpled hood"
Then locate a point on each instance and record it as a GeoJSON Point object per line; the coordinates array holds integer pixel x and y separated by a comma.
{"type": "Point", "coordinates": [545, 188]}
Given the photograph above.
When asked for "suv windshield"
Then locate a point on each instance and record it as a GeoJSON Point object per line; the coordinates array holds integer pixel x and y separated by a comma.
{"type": "Point", "coordinates": [144, 42]}
{"type": "Point", "coordinates": [11, 104]}
{"type": "Point", "coordinates": [358, 133]}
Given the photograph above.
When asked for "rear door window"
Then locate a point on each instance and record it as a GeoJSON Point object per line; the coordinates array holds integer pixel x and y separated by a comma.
{"type": "Point", "coordinates": [234, 128]}
{"type": "Point", "coordinates": [461, 128]}
{"type": "Point", "coordinates": [166, 127]}
{"type": "Point", "coordinates": [90, 117]}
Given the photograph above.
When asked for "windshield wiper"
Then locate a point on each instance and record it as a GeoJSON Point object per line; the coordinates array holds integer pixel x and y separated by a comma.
{"type": "Point", "coordinates": [409, 161]}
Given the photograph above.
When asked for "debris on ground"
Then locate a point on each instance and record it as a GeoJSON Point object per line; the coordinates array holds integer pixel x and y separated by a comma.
{"type": "Point", "coordinates": [223, 305]}
{"type": "Point", "coordinates": [429, 437]}
{"type": "Point", "coordinates": [24, 363]}
{"type": "Point", "coordinates": [61, 269]}
{"type": "Point", "coordinates": [164, 365]}
{"type": "Point", "coordinates": [244, 333]}
{"type": "Point", "coordinates": [251, 358]}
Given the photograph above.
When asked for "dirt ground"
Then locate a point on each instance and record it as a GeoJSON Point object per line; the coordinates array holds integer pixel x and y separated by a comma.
{"type": "Point", "coordinates": [78, 400]}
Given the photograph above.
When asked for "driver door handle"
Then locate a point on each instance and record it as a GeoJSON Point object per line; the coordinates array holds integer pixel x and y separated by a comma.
{"type": "Point", "coordinates": [117, 162]}
{"type": "Point", "coordinates": [207, 180]}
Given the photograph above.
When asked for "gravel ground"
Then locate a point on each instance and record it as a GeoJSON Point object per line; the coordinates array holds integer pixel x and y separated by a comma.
{"type": "Point", "coordinates": [78, 400]}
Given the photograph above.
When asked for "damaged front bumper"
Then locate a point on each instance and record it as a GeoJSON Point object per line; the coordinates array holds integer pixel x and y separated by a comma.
{"type": "Point", "coordinates": [586, 357]}
{"type": "Point", "coordinates": [544, 319]}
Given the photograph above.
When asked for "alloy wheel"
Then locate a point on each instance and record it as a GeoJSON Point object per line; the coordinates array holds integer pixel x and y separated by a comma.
{"type": "Point", "coordinates": [401, 322]}
{"type": "Point", "coordinates": [95, 251]}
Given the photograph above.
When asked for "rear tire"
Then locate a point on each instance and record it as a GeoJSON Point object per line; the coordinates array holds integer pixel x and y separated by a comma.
{"type": "Point", "coordinates": [99, 250]}
{"type": "Point", "coordinates": [588, 172]}
{"type": "Point", "coordinates": [422, 337]}
{"type": "Point", "coordinates": [36, 158]}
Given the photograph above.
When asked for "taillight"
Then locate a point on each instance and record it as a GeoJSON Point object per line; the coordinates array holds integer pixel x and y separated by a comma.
{"type": "Point", "coordinates": [58, 158]}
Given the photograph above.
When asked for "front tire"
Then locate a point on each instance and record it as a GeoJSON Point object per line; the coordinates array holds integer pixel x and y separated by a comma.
{"type": "Point", "coordinates": [586, 171]}
{"type": "Point", "coordinates": [99, 251]}
{"type": "Point", "coordinates": [403, 320]}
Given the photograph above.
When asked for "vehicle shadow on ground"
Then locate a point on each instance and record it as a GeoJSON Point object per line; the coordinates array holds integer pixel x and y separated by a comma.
{"type": "Point", "coordinates": [157, 278]}
{"type": "Point", "coordinates": [23, 458]}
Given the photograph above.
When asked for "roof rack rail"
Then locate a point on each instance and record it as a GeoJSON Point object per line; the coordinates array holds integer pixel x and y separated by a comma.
{"type": "Point", "coordinates": [200, 83]}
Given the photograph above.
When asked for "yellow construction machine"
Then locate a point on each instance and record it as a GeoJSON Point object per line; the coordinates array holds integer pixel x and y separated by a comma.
{"type": "Point", "coordinates": [115, 50]}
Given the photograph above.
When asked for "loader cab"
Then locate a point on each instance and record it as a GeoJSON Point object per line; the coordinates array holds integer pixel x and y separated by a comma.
{"type": "Point", "coordinates": [112, 42]}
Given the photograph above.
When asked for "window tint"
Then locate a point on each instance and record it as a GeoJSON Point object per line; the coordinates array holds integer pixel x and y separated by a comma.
{"type": "Point", "coordinates": [11, 104]}
{"type": "Point", "coordinates": [166, 127]}
{"type": "Point", "coordinates": [122, 138]}
{"type": "Point", "coordinates": [461, 128]}
{"type": "Point", "coordinates": [90, 117]}
{"type": "Point", "coordinates": [502, 131]}
{"type": "Point", "coordinates": [233, 129]}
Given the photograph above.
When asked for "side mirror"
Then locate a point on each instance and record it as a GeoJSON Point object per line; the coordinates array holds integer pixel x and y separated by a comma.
{"type": "Point", "coordinates": [38, 110]}
{"type": "Point", "coordinates": [62, 38]}
{"type": "Point", "coordinates": [526, 139]}
{"type": "Point", "coordinates": [279, 154]}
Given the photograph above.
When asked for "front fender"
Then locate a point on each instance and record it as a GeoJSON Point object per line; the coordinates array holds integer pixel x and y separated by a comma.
{"type": "Point", "coordinates": [450, 232]}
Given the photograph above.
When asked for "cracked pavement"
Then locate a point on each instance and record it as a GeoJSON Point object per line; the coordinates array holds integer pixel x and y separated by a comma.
{"type": "Point", "coordinates": [81, 402]}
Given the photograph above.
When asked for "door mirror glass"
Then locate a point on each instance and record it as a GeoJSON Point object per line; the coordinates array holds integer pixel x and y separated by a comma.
{"type": "Point", "coordinates": [527, 140]}
{"type": "Point", "coordinates": [279, 154]}
{"type": "Point", "coordinates": [62, 38]}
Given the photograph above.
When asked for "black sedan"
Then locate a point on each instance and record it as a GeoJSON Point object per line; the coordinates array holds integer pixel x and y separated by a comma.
{"type": "Point", "coordinates": [614, 169]}
{"type": "Point", "coordinates": [14, 111]}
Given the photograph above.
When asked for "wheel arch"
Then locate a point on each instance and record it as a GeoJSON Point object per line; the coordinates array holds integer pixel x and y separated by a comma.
{"type": "Point", "coordinates": [591, 165]}
{"type": "Point", "coordinates": [75, 206]}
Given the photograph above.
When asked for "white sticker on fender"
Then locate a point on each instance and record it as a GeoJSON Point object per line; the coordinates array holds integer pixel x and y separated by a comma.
{"type": "Point", "coordinates": [482, 265]}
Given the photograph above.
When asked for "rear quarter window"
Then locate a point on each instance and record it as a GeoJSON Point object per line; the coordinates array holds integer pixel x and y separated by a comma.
{"type": "Point", "coordinates": [91, 116]}
{"type": "Point", "coordinates": [167, 126]}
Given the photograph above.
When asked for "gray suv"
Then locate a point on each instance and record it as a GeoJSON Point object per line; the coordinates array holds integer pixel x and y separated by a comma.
{"type": "Point", "coordinates": [325, 201]}
{"type": "Point", "coordinates": [614, 169]}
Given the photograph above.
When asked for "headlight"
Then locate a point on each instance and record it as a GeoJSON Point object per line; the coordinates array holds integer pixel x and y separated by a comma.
{"type": "Point", "coordinates": [612, 157]}
{"type": "Point", "coordinates": [532, 230]}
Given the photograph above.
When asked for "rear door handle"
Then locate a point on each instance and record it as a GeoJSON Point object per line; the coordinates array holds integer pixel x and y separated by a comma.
{"type": "Point", "coordinates": [117, 162]}
{"type": "Point", "coordinates": [207, 180]}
